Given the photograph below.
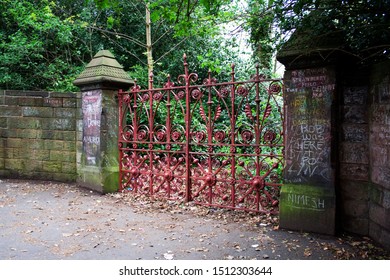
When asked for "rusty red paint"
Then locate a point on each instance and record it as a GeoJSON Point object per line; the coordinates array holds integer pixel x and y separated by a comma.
{"type": "Point", "coordinates": [217, 144]}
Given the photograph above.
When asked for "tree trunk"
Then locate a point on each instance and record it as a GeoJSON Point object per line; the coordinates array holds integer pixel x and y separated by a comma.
{"type": "Point", "coordinates": [149, 40]}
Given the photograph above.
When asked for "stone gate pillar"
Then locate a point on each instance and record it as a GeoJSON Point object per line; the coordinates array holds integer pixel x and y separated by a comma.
{"type": "Point", "coordinates": [97, 159]}
{"type": "Point", "coordinates": [308, 200]}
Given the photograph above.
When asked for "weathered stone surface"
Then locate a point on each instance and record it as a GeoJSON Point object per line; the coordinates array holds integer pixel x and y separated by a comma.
{"type": "Point", "coordinates": [105, 70]}
{"type": "Point", "coordinates": [360, 125]}
{"type": "Point", "coordinates": [69, 113]}
{"type": "Point", "coordinates": [41, 112]}
{"type": "Point", "coordinates": [380, 234]}
{"type": "Point", "coordinates": [57, 145]}
{"type": "Point", "coordinates": [309, 94]}
{"type": "Point", "coordinates": [51, 166]}
{"type": "Point", "coordinates": [14, 164]}
{"type": "Point", "coordinates": [38, 135]}
{"type": "Point", "coordinates": [354, 190]}
{"type": "Point", "coordinates": [52, 102]}
{"type": "Point", "coordinates": [2, 97]}
{"type": "Point", "coordinates": [355, 208]}
{"type": "Point", "coordinates": [355, 114]}
{"type": "Point", "coordinates": [356, 225]}
{"type": "Point", "coordinates": [69, 145]}
{"type": "Point", "coordinates": [25, 123]}
{"type": "Point", "coordinates": [8, 111]}
{"type": "Point", "coordinates": [355, 133]}
{"type": "Point", "coordinates": [381, 176]}
{"type": "Point", "coordinates": [28, 101]}
{"type": "Point", "coordinates": [63, 156]}
{"type": "Point", "coordinates": [354, 171]}
{"type": "Point", "coordinates": [70, 103]}
{"type": "Point", "coordinates": [97, 155]}
{"type": "Point", "coordinates": [27, 133]}
{"type": "Point", "coordinates": [14, 143]}
{"type": "Point", "coordinates": [355, 95]}
{"type": "Point", "coordinates": [8, 133]}
{"type": "Point", "coordinates": [31, 94]}
{"type": "Point", "coordinates": [63, 95]}
{"type": "Point", "coordinates": [3, 122]}
{"type": "Point", "coordinates": [69, 167]}
{"type": "Point", "coordinates": [354, 153]}
{"type": "Point", "coordinates": [59, 124]}
{"type": "Point", "coordinates": [69, 135]}
{"type": "Point", "coordinates": [379, 215]}
{"type": "Point", "coordinates": [386, 199]}
{"type": "Point", "coordinates": [307, 208]}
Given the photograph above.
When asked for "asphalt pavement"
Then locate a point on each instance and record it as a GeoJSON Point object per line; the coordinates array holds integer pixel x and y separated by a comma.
{"type": "Point", "coordinates": [42, 220]}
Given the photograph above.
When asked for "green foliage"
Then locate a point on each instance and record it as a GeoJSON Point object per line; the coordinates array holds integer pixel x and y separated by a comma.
{"type": "Point", "coordinates": [364, 26]}
{"type": "Point", "coordinates": [37, 47]}
{"type": "Point", "coordinates": [45, 44]}
{"type": "Point", "coordinates": [260, 26]}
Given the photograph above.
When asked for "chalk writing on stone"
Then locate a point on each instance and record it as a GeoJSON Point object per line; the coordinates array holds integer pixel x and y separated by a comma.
{"type": "Point", "coordinates": [384, 91]}
{"type": "Point", "coordinates": [306, 202]}
{"type": "Point", "coordinates": [53, 102]}
{"type": "Point", "coordinates": [309, 99]}
{"type": "Point", "coordinates": [355, 95]}
{"type": "Point", "coordinates": [308, 151]}
{"type": "Point", "coordinates": [92, 110]}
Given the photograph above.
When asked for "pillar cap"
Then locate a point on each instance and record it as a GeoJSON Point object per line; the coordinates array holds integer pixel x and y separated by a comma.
{"type": "Point", "coordinates": [103, 69]}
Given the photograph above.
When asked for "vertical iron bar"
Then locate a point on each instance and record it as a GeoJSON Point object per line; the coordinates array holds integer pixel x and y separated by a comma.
{"type": "Point", "coordinates": [209, 136]}
{"type": "Point", "coordinates": [233, 136]}
{"type": "Point", "coordinates": [133, 149]}
{"type": "Point", "coordinates": [135, 133]}
{"type": "Point", "coordinates": [151, 122]}
{"type": "Point", "coordinates": [257, 131]}
{"type": "Point", "coordinates": [188, 131]}
{"type": "Point", "coordinates": [168, 132]}
{"type": "Point", "coordinates": [257, 122]}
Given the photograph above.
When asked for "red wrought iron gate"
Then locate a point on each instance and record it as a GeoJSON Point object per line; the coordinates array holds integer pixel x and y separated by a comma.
{"type": "Point", "coordinates": [217, 144]}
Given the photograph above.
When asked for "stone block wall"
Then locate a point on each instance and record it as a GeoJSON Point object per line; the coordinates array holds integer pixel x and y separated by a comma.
{"type": "Point", "coordinates": [379, 149]}
{"type": "Point", "coordinates": [353, 190]}
{"type": "Point", "coordinates": [364, 152]}
{"type": "Point", "coordinates": [38, 134]}
{"type": "Point", "coordinates": [356, 151]}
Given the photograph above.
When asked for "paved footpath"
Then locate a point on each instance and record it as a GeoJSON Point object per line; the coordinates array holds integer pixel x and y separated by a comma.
{"type": "Point", "coordinates": [47, 220]}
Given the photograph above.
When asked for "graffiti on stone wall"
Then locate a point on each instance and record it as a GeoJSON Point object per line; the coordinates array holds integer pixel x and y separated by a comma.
{"type": "Point", "coordinates": [92, 109]}
{"type": "Point", "coordinates": [380, 133]}
{"type": "Point", "coordinates": [309, 151]}
{"type": "Point", "coordinates": [303, 201]}
{"type": "Point", "coordinates": [309, 98]}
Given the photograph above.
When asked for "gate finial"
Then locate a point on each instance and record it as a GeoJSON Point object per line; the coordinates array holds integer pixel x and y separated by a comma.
{"type": "Point", "coordinates": [185, 60]}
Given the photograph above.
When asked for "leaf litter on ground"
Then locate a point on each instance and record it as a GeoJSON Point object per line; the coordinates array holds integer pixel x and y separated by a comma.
{"type": "Point", "coordinates": [347, 247]}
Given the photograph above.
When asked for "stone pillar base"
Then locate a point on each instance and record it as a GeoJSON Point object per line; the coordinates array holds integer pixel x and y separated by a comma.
{"type": "Point", "coordinates": [308, 208]}
{"type": "Point", "coordinates": [98, 158]}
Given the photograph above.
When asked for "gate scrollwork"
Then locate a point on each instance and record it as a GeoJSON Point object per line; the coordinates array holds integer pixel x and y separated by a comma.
{"type": "Point", "coordinates": [217, 144]}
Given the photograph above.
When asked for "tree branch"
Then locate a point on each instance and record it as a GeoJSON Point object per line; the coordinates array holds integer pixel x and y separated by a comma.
{"type": "Point", "coordinates": [124, 49]}
{"type": "Point", "coordinates": [127, 37]}
{"type": "Point", "coordinates": [172, 49]}
{"type": "Point", "coordinates": [158, 39]}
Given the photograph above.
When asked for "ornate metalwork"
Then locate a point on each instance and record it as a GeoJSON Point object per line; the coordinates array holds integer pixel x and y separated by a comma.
{"type": "Point", "coordinates": [217, 144]}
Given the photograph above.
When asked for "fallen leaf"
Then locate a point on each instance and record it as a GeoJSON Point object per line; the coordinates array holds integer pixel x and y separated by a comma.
{"type": "Point", "coordinates": [307, 252]}
{"type": "Point", "coordinates": [168, 256]}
